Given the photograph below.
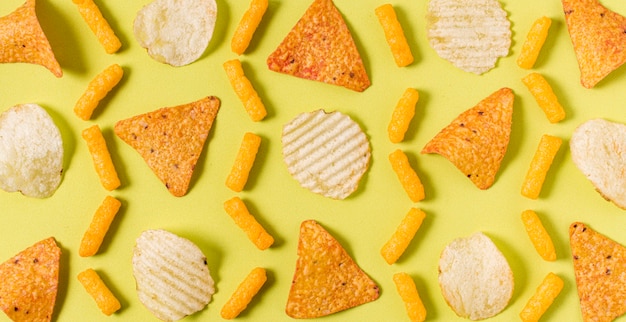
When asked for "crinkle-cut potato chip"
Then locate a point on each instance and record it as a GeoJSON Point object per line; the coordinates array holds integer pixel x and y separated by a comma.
{"type": "Point", "coordinates": [327, 153]}
{"type": "Point", "coordinates": [471, 34]}
{"type": "Point", "coordinates": [600, 271]}
{"type": "Point", "coordinates": [171, 273]}
{"type": "Point", "coordinates": [176, 32]}
{"type": "Point", "coordinates": [326, 278]}
{"type": "Point", "coordinates": [171, 139]}
{"type": "Point", "coordinates": [31, 151]}
{"type": "Point", "coordinates": [320, 47]}
{"type": "Point", "coordinates": [477, 140]}
{"type": "Point", "coordinates": [598, 37]}
{"type": "Point", "coordinates": [30, 281]}
{"type": "Point", "coordinates": [23, 41]}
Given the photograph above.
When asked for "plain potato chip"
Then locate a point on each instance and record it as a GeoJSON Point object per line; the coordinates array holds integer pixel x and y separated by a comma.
{"type": "Point", "coordinates": [31, 151]}
{"type": "Point", "coordinates": [326, 280]}
{"type": "Point", "coordinates": [476, 141]}
{"type": "Point", "coordinates": [176, 32]}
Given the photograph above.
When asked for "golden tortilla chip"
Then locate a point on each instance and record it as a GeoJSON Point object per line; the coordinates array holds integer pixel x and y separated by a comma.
{"type": "Point", "coordinates": [171, 139]}
{"type": "Point", "coordinates": [30, 281]}
{"type": "Point", "coordinates": [22, 40]}
{"type": "Point", "coordinates": [599, 38]}
{"type": "Point", "coordinates": [600, 271]}
{"type": "Point", "coordinates": [320, 47]}
{"type": "Point", "coordinates": [476, 141]}
{"type": "Point", "coordinates": [326, 280]}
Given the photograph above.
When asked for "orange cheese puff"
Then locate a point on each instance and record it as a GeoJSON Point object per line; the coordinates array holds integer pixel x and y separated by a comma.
{"type": "Point", "coordinates": [401, 238]}
{"type": "Point", "coordinates": [534, 42]}
{"type": "Point", "coordinates": [244, 90]}
{"type": "Point", "coordinates": [99, 226]}
{"type": "Point", "coordinates": [402, 115]}
{"type": "Point", "coordinates": [93, 284]}
{"type": "Point", "coordinates": [408, 292]}
{"type": "Point", "coordinates": [97, 89]}
{"type": "Point", "coordinates": [244, 293]}
{"type": "Point", "coordinates": [242, 217]}
{"type": "Point", "coordinates": [238, 175]}
{"type": "Point", "coordinates": [545, 97]}
{"type": "Point", "coordinates": [538, 235]}
{"type": "Point", "coordinates": [394, 35]}
{"type": "Point", "coordinates": [407, 176]}
{"type": "Point", "coordinates": [98, 25]}
{"type": "Point", "coordinates": [539, 166]}
{"type": "Point", "coordinates": [543, 298]}
{"type": "Point", "coordinates": [247, 26]}
{"type": "Point", "coordinates": [101, 157]}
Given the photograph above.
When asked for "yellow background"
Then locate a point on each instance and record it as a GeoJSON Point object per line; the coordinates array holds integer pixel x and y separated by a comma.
{"type": "Point", "coordinates": [362, 222]}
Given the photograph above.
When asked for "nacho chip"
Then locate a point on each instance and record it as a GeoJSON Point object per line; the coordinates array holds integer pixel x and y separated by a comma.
{"type": "Point", "coordinates": [22, 40]}
{"type": "Point", "coordinates": [476, 141]}
{"type": "Point", "coordinates": [30, 282]}
{"type": "Point", "coordinates": [326, 280]}
{"type": "Point", "coordinates": [600, 271]}
{"type": "Point", "coordinates": [598, 37]}
{"type": "Point", "coordinates": [320, 47]}
{"type": "Point", "coordinates": [171, 139]}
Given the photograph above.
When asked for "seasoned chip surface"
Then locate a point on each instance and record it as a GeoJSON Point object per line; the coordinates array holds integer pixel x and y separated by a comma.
{"type": "Point", "coordinates": [326, 280]}
{"type": "Point", "coordinates": [171, 139]}
{"type": "Point", "coordinates": [476, 141]}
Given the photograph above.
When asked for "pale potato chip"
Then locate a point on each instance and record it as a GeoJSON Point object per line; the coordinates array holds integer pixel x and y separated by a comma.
{"type": "Point", "coordinates": [171, 273]}
{"type": "Point", "coordinates": [176, 32]}
{"type": "Point", "coordinates": [327, 153]}
{"type": "Point", "coordinates": [31, 151]}
{"type": "Point", "coordinates": [471, 34]}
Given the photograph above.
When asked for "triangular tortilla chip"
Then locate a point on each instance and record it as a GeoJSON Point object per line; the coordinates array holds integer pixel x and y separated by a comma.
{"type": "Point", "coordinates": [599, 38]}
{"type": "Point", "coordinates": [320, 47]}
{"type": "Point", "coordinates": [326, 280]}
{"type": "Point", "coordinates": [476, 141]}
{"type": "Point", "coordinates": [171, 139]}
{"type": "Point", "coordinates": [600, 271]}
{"type": "Point", "coordinates": [30, 282]}
{"type": "Point", "coordinates": [22, 40]}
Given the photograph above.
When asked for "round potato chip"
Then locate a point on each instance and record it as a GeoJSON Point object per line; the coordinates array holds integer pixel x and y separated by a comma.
{"type": "Point", "coordinates": [31, 151]}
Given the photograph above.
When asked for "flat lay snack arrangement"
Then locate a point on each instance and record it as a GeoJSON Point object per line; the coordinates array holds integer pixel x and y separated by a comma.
{"type": "Point", "coordinates": [333, 160]}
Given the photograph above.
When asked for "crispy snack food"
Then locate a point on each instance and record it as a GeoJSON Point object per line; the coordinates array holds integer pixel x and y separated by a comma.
{"type": "Point", "coordinates": [408, 293]}
{"type": "Point", "coordinates": [101, 157]}
{"type": "Point", "coordinates": [100, 223]}
{"type": "Point", "coordinates": [176, 32]}
{"type": "Point", "coordinates": [545, 97]}
{"type": "Point", "coordinates": [171, 139]}
{"type": "Point", "coordinates": [30, 281]}
{"type": "Point", "coordinates": [31, 151]}
{"type": "Point", "coordinates": [248, 25]}
{"type": "Point", "coordinates": [244, 293]}
{"type": "Point", "coordinates": [394, 34]}
{"type": "Point", "coordinates": [98, 25]}
{"type": "Point", "coordinates": [95, 287]}
{"type": "Point", "coordinates": [173, 280]}
{"type": "Point", "coordinates": [327, 153]}
{"type": "Point", "coordinates": [320, 47]}
{"type": "Point", "coordinates": [402, 115]}
{"type": "Point", "coordinates": [240, 171]}
{"type": "Point", "coordinates": [406, 175]}
{"type": "Point", "coordinates": [598, 37]}
{"type": "Point", "coordinates": [538, 235]}
{"type": "Point", "coordinates": [539, 166]}
{"type": "Point", "coordinates": [402, 237]}
{"type": "Point", "coordinates": [237, 210]}
{"type": "Point", "coordinates": [543, 298]}
{"type": "Point", "coordinates": [23, 41]}
{"type": "Point", "coordinates": [97, 89]}
{"type": "Point", "coordinates": [600, 271]}
{"type": "Point", "coordinates": [472, 35]}
{"type": "Point", "coordinates": [535, 39]}
{"type": "Point", "coordinates": [244, 90]}
{"type": "Point", "coordinates": [476, 141]}
{"type": "Point", "coordinates": [326, 280]}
